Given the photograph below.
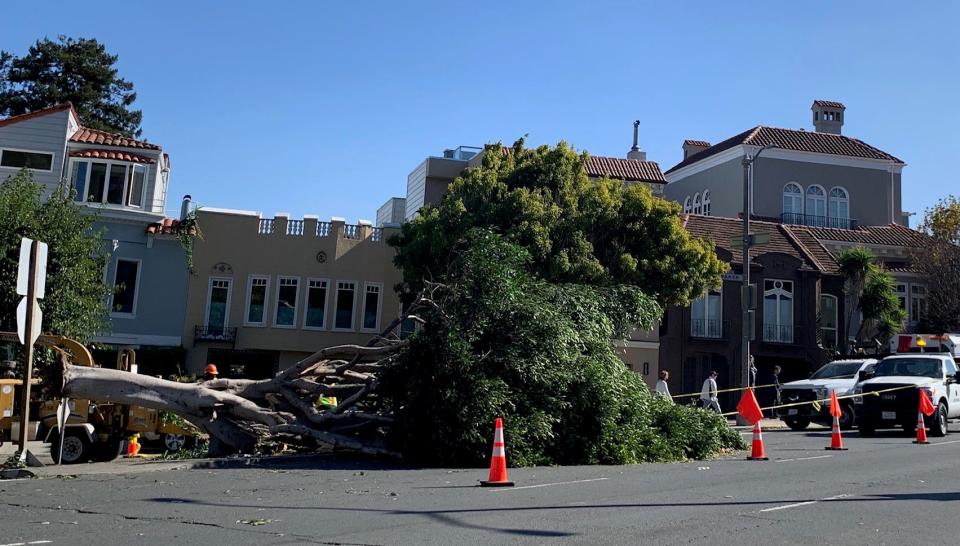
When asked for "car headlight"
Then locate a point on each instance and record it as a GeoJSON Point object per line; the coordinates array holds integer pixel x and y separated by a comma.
{"type": "Point", "coordinates": [929, 392]}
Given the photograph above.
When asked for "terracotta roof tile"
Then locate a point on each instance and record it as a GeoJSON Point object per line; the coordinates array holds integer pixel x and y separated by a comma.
{"type": "Point", "coordinates": [96, 136]}
{"type": "Point", "coordinates": [701, 143]}
{"type": "Point", "coordinates": [814, 248]}
{"type": "Point", "coordinates": [828, 104]}
{"type": "Point", "coordinates": [889, 235]}
{"type": "Point", "coordinates": [631, 170]}
{"type": "Point", "coordinates": [796, 140]}
{"type": "Point", "coordinates": [114, 155]}
{"type": "Point", "coordinates": [722, 230]}
{"type": "Point", "coordinates": [35, 114]}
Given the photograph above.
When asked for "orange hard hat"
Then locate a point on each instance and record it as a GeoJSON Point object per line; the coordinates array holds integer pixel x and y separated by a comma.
{"type": "Point", "coordinates": [211, 369]}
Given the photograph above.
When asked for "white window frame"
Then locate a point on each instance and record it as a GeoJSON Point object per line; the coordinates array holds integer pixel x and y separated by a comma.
{"type": "Point", "coordinates": [686, 205]}
{"type": "Point", "coordinates": [353, 312]}
{"type": "Point", "coordinates": [136, 288]}
{"type": "Point", "coordinates": [249, 300]}
{"type": "Point", "coordinates": [226, 311]}
{"type": "Point", "coordinates": [296, 301]}
{"type": "Point", "coordinates": [53, 159]}
{"type": "Point", "coordinates": [106, 185]}
{"type": "Point", "coordinates": [794, 196]}
{"type": "Point", "coordinates": [326, 303]}
{"type": "Point", "coordinates": [836, 317]}
{"type": "Point", "coordinates": [705, 334]}
{"type": "Point", "coordinates": [778, 338]}
{"type": "Point", "coordinates": [363, 308]}
{"type": "Point", "coordinates": [807, 197]}
{"type": "Point", "coordinates": [838, 200]}
{"type": "Point", "coordinates": [915, 317]}
{"type": "Point", "coordinates": [705, 203]}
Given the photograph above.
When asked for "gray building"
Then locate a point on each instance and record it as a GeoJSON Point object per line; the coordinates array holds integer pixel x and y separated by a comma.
{"type": "Point", "coordinates": [124, 182]}
{"type": "Point", "coordinates": [817, 178]}
{"type": "Point", "coordinates": [392, 213]}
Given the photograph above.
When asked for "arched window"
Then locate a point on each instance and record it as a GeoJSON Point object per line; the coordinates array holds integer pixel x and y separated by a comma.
{"type": "Point", "coordinates": [706, 202]}
{"type": "Point", "coordinates": [697, 207]}
{"type": "Point", "coordinates": [686, 205]}
{"type": "Point", "coordinates": [839, 208]}
{"type": "Point", "coordinates": [792, 204]}
{"type": "Point", "coordinates": [816, 206]}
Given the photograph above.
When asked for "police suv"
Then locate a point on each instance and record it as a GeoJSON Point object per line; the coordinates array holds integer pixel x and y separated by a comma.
{"type": "Point", "coordinates": [889, 395]}
{"type": "Point", "coordinates": [840, 376]}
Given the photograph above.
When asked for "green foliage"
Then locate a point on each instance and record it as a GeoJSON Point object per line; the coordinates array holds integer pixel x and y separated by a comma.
{"type": "Point", "coordinates": [942, 221]}
{"type": "Point", "coordinates": [576, 230]}
{"type": "Point", "coordinates": [504, 342]}
{"type": "Point", "coordinates": [872, 290]}
{"type": "Point", "coordinates": [75, 301]}
{"type": "Point", "coordinates": [939, 264]}
{"type": "Point", "coordinates": [77, 70]}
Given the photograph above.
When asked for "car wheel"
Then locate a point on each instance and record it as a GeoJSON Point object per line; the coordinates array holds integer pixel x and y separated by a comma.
{"type": "Point", "coordinates": [849, 418]}
{"type": "Point", "coordinates": [174, 442]}
{"type": "Point", "coordinates": [867, 428]}
{"type": "Point", "coordinates": [76, 447]}
{"type": "Point", "coordinates": [938, 421]}
{"type": "Point", "coordinates": [797, 424]}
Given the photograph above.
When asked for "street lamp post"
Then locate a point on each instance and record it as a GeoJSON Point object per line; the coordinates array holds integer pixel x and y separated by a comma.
{"type": "Point", "coordinates": [745, 296]}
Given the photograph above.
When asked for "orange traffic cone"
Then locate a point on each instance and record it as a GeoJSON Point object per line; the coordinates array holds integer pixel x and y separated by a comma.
{"type": "Point", "coordinates": [498, 461]}
{"type": "Point", "coordinates": [836, 442]}
{"type": "Point", "coordinates": [758, 453]}
{"type": "Point", "coordinates": [921, 430]}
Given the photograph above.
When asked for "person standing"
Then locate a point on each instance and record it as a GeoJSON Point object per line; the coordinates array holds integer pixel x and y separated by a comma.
{"type": "Point", "coordinates": [753, 373]}
{"type": "Point", "coordinates": [662, 388]}
{"type": "Point", "coordinates": [708, 394]}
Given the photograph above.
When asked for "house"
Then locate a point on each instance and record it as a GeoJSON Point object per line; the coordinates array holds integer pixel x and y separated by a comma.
{"type": "Point", "coordinates": [267, 292]}
{"type": "Point", "coordinates": [818, 178]}
{"type": "Point", "coordinates": [124, 182]}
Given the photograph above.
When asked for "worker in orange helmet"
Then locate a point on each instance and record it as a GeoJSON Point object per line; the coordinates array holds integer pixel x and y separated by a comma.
{"type": "Point", "coordinates": [210, 372]}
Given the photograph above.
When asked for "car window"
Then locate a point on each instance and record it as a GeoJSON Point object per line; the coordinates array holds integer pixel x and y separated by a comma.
{"type": "Point", "coordinates": [914, 367]}
{"type": "Point", "coordinates": [837, 370]}
{"type": "Point", "coordinates": [951, 367]}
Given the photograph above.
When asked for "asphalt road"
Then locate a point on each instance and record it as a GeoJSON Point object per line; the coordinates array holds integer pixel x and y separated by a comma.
{"type": "Point", "coordinates": [884, 490]}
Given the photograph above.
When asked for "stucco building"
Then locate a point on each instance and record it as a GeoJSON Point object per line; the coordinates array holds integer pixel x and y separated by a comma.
{"type": "Point", "coordinates": [268, 291]}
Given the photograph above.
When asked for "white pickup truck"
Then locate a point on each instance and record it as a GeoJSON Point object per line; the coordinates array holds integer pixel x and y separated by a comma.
{"type": "Point", "coordinates": [889, 396]}
{"type": "Point", "coordinates": [840, 376]}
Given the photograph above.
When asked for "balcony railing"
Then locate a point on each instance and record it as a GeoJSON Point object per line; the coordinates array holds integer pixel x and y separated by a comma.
{"type": "Point", "coordinates": [294, 227]}
{"type": "Point", "coordinates": [376, 234]}
{"type": "Point", "coordinates": [707, 328]}
{"type": "Point", "coordinates": [778, 333]}
{"type": "Point", "coordinates": [214, 333]}
{"type": "Point", "coordinates": [323, 229]}
{"type": "Point", "coordinates": [351, 231]}
{"type": "Point", "coordinates": [817, 221]}
{"type": "Point", "coordinates": [266, 226]}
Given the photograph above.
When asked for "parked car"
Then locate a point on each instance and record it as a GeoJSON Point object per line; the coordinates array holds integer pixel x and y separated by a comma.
{"type": "Point", "coordinates": [934, 373]}
{"type": "Point", "coordinates": [840, 376]}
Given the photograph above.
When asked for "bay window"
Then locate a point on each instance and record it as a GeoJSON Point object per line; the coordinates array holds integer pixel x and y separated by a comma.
{"type": "Point", "coordinates": [107, 182]}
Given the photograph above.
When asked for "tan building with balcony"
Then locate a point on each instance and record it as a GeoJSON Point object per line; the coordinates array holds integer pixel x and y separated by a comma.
{"type": "Point", "coordinates": [266, 292]}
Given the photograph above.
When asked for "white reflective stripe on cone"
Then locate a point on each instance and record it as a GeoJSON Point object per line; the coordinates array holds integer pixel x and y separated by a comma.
{"type": "Point", "coordinates": [498, 435]}
{"type": "Point", "coordinates": [498, 452]}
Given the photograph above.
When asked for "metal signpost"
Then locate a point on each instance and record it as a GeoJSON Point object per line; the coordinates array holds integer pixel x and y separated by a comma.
{"type": "Point", "coordinates": [31, 281]}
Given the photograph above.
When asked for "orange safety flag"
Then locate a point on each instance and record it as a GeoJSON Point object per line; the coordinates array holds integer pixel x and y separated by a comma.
{"type": "Point", "coordinates": [926, 407]}
{"type": "Point", "coordinates": [749, 408]}
{"type": "Point", "coordinates": [835, 410]}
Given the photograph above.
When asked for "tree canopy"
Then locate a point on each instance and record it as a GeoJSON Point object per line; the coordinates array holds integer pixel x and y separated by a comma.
{"type": "Point", "coordinates": [75, 301]}
{"type": "Point", "coordinates": [939, 264]}
{"type": "Point", "coordinates": [870, 291]}
{"type": "Point", "coordinates": [597, 232]}
{"type": "Point", "coordinates": [76, 70]}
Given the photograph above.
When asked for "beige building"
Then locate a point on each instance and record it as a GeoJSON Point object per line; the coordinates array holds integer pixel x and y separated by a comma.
{"type": "Point", "coordinates": [266, 292]}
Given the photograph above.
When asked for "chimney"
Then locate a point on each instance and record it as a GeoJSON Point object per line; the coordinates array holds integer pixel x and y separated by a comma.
{"type": "Point", "coordinates": [635, 152]}
{"type": "Point", "coordinates": [691, 147]}
{"type": "Point", "coordinates": [828, 116]}
{"type": "Point", "coordinates": [185, 207]}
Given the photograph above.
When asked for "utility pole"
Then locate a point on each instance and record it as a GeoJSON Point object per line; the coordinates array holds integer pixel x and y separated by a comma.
{"type": "Point", "coordinates": [747, 297]}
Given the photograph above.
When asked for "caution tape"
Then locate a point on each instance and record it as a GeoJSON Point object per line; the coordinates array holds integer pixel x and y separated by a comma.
{"type": "Point", "coordinates": [844, 397]}
{"type": "Point", "coordinates": [689, 394]}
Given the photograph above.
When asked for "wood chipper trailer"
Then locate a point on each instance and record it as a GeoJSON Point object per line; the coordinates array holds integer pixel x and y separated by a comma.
{"type": "Point", "coordinates": [94, 431]}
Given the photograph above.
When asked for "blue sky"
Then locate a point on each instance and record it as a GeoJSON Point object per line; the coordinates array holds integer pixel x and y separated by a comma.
{"type": "Point", "coordinates": [325, 107]}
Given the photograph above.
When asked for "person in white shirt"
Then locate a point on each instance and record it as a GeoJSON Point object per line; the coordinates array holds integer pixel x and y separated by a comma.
{"type": "Point", "coordinates": [662, 388]}
{"type": "Point", "coordinates": [708, 395]}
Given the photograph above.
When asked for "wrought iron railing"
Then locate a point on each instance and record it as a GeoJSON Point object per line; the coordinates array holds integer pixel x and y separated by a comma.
{"type": "Point", "coordinates": [706, 328]}
{"type": "Point", "coordinates": [778, 333]}
{"type": "Point", "coordinates": [214, 333]}
{"type": "Point", "coordinates": [817, 221]}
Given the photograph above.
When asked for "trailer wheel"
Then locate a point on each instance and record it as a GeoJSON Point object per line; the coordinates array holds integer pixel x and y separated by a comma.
{"type": "Point", "coordinates": [174, 442]}
{"type": "Point", "coordinates": [76, 447]}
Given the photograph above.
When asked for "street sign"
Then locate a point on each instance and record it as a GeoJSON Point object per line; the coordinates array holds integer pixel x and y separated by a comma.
{"type": "Point", "coordinates": [37, 319]}
{"type": "Point", "coordinates": [23, 272]}
{"type": "Point", "coordinates": [755, 239]}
